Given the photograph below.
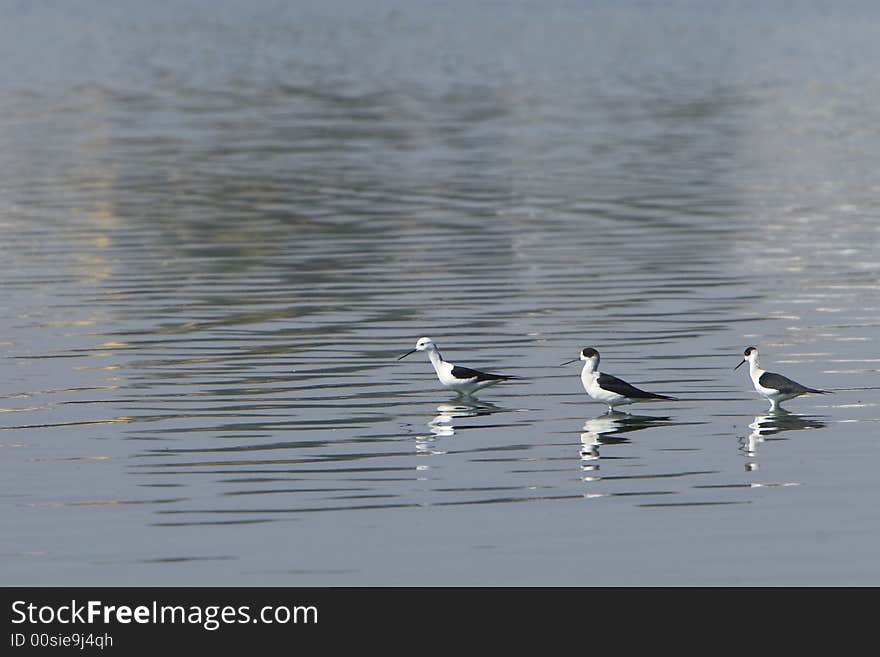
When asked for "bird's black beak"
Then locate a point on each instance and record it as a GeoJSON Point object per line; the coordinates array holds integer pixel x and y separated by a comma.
{"type": "Point", "coordinates": [568, 361]}
{"type": "Point", "coordinates": [740, 365]}
{"type": "Point", "coordinates": [407, 354]}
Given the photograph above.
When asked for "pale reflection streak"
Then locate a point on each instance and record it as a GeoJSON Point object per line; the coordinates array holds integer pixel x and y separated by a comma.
{"type": "Point", "coordinates": [770, 424]}
{"type": "Point", "coordinates": [442, 425]}
{"type": "Point", "coordinates": [602, 430]}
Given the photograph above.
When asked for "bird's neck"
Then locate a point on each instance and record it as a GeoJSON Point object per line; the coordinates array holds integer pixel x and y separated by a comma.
{"type": "Point", "coordinates": [755, 370]}
{"type": "Point", "coordinates": [436, 359]}
{"type": "Point", "coordinates": [589, 370]}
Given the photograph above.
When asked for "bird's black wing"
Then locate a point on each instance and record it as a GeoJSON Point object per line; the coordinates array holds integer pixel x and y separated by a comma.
{"type": "Point", "coordinates": [460, 372]}
{"type": "Point", "coordinates": [785, 385]}
{"type": "Point", "coordinates": [621, 387]}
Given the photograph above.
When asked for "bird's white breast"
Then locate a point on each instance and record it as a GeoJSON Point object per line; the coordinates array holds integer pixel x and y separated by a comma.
{"type": "Point", "coordinates": [444, 373]}
{"type": "Point", "coordinates": [756, 373]}
{"type": "Point", "coordinates": [591, 385]}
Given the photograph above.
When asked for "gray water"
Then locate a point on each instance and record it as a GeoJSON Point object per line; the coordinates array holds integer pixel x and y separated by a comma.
{"type": "Point", "coordinates": [223, 222]}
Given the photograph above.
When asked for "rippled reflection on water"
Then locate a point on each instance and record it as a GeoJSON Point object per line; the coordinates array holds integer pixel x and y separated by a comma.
{"type": "Point", "coordinates": [215, 248]}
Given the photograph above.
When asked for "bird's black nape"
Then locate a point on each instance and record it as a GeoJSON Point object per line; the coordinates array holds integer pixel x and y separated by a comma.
{"type": "Point", "coordinates": [748, 352]}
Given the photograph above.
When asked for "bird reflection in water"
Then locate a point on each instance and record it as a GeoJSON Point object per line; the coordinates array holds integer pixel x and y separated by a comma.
{"type": "Point", "coordinates": [604, 430]}
{"type": "Point", "coordinates": [770, 424]}
{"type": "Point", "coordinates": [443, 424]}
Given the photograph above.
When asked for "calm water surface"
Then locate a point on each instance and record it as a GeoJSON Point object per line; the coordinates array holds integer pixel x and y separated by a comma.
{"type": "Point", "coordinates": [221, 226]}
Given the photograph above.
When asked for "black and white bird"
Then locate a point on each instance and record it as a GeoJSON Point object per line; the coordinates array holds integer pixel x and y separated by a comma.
{"type": "Point", "coordinates": [463, 380]}
{"type": "Point", "coordinates": [609, 389]}
{"type": "Point", "coordinates": [775, 387]}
